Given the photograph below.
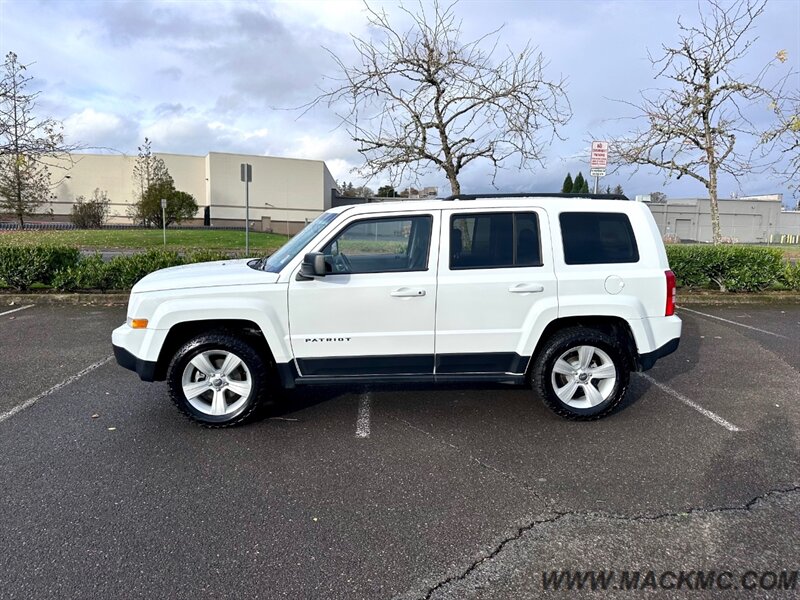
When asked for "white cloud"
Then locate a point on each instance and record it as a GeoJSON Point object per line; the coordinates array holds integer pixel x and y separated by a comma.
{"type": "Point", "coordinates": [99, 129]}
{"type": "Point", "coordinates": [200, 76]}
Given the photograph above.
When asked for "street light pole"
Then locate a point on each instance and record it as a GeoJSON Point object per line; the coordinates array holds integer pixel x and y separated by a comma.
{"type": "Point", "coordinates": [164, 219]}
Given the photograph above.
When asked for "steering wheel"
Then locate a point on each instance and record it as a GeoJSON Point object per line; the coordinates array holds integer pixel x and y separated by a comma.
{"type": "Point", "coordinates": [341, 264]}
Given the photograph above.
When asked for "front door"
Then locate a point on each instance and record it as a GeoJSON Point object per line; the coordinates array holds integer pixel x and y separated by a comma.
{"type": "Point", "coordinates": [373, 313]}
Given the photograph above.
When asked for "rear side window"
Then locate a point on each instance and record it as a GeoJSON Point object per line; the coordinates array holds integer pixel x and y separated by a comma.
{"type": "Point", "coordinates": [494, 240]}
{"type": "Point", "coordinates": [597, 238]}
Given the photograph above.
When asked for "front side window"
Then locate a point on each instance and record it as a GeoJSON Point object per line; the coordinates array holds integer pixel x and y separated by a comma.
{"type": "Point", "coordinates": [495, 240]}
{"type": "Point", "coordinates": [381, 245]}
{"type": "Point", "coordinates": [596, 238]}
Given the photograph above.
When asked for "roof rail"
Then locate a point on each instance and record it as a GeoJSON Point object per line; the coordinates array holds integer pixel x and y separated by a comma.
{"type": "Point", "coordinates": [537, 195]}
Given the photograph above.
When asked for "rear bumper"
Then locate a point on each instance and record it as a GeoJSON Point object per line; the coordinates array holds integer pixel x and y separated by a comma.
{"type": "Point", "coordinates": [647, 360]}
{"type": "Point", "coordinates": [144, 368]}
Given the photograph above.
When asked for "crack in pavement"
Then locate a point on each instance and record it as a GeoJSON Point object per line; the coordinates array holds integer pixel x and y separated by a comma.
{"type": "Point", "coordinates": [599, 515]}
{"type": "Point", "coordinates": [557, 515]}
{"type": "Point", "coordinates": [478, 461]}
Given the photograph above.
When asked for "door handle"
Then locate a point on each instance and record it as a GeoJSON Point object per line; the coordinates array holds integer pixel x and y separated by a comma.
{"type": "Point", "coordinates": [526, 288]}
{"type": "Point", "coordinates": [405, 292]}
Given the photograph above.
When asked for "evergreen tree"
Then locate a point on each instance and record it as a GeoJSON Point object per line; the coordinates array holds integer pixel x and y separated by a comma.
{"type": "Point", "coordinates": [577, 185]}
{"type": "Point", "coordinates": [618, 190]}
{"type": "Point", "coordinates": [585, 188]}
{"type": "Point", "coordinates": [567, 187]}
{"type": "Point", "coordinates": [386, 191]}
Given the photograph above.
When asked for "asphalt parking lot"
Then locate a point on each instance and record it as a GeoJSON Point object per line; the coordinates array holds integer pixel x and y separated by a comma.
{"type": "Point", "coordinates": [447, 492]}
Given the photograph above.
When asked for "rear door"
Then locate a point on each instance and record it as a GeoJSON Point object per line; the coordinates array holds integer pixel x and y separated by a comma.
{"type": "Point", "coordinates": [497, 289]}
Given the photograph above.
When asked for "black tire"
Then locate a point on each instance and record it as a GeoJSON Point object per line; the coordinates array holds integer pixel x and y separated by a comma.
{"type": "Point", "coordinates": [256, 368]}
{"type": "Point", "coordinates": [561, 343]}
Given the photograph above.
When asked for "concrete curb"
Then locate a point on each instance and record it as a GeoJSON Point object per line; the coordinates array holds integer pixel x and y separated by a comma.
{"type": "Point", "coordinates": [121, 298]}
{"type": "Point", "coordinates": [117, 299]}
{"type": "Point", "coordinates": [719, 298]}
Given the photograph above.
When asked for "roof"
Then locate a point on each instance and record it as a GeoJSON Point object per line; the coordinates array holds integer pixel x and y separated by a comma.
{"type": "Point", "coordinates": [554, 201]}
{"type": "Point", "coordinates": [537, 195]}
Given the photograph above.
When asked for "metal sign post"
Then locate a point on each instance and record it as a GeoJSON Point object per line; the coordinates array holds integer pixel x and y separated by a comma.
{"type": "Point", "coordinates": [164, 219]}
{"type": "Point", "coordinates": [598, 161]}
{"type": "Point", "coordinates": [246, 173]}
{"type": "Point", "coordinates": [597, 174]}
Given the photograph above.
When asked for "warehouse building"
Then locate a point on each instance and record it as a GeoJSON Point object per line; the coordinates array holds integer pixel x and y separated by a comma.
{"type": "Point", "coordinates": [747, 219]}
{"type": "Point", "coordinates": [285, 193]}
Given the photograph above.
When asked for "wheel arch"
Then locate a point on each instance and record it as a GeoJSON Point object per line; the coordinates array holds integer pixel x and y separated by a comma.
{"type": "Point", "coordinates": [614, 326]}
{"type": "Point", "coordinates": [182, 332]}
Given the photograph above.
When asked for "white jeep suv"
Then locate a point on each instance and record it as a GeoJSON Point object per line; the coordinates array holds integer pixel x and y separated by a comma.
{"type": "Point", "coordinates": [568, 293]}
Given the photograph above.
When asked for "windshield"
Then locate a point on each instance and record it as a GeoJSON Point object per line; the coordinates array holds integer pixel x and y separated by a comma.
{"type": "Point", "coordinates": [290, 249]}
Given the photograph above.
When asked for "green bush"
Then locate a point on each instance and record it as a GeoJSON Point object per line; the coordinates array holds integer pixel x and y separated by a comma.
{"type": "Point", "coordinates": [790, 277]}
{"type": "Point", "coordinates": [181, 206]}
{"type": "Point", "coordinates": [23, 266]}
{"type": "Point", "coordinates": [92, 213]}
{"type": "Point", "coordinates": [205, 255]}
{"type": "Point", "coordinates": [687, 264]}
{"type": "Point", "coordinates": [124, 271]}
{"type": "Point", "coordinates": [731, 268]}
{"type": "Point", "coordinates": [90, 273]}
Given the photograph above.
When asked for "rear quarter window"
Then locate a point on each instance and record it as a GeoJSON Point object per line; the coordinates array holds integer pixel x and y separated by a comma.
{"type": "Point", "coordinates": [592, 238]}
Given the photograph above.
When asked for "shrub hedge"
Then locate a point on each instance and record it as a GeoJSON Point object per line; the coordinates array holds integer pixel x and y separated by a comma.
{"type": "Point", "coordinates": [790, 277]}
{"type": "Point", "coordinates": [23, 266]}
{"type": "Point", "coordinates": [731, 268]}
{"type": "Point", "coordinates": [63, 267]}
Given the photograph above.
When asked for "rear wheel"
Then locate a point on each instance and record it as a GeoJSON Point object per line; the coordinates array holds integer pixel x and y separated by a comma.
{"type": "Point", "coordinates": [218, 379]}
{"type": "Point", "coordinates": [581, 374]}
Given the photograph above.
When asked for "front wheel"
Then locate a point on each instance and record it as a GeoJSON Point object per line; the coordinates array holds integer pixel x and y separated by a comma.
{"type": "Point", "coordinates": [218, 379]}
{"type": "Point", "coordinates": [581, 374]}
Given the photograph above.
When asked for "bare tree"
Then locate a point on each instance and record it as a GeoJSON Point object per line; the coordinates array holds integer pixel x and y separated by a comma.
{"type": "Point", "coordinates": [26, 144]}
{"type": "Point", "coordinates": [784, 136]}
{"type": "Point", "coordinates": [423, 98]}
{"type": "Point", "coordinates": [695, 126]}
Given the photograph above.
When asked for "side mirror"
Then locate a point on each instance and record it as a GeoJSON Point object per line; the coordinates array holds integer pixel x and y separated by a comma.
{"type": "Point", "coordinates": [313, 266]}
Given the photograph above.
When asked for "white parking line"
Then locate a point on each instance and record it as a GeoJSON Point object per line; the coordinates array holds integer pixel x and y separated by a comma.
{"type": "Point", "coordinates": [13, 310]}
{"type": "Point", "coordinates": [697, 312]}
{"type": "Point", "coordinates": [362, 423]}
{"type": "Point", "coordinates": [31, 401]}
{"type": "Point", "coordinates": [703, 411]}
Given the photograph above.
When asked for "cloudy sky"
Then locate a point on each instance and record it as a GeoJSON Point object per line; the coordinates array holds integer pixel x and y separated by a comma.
{"type": "Point", "coordinates": [200, 76]}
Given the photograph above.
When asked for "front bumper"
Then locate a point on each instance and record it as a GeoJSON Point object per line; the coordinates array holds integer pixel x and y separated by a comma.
{"type": "Point", "coordinates": [137, 350]}
{"type": "Point", "coordinates": [144, 368]}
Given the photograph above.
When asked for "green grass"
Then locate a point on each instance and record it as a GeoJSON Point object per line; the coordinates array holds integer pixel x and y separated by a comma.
{"type": "Point", "coordinates": [139, 239]}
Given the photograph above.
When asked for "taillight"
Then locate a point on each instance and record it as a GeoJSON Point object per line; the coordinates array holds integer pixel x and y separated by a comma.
{"type": "Point", "coordinates": [670, 310]}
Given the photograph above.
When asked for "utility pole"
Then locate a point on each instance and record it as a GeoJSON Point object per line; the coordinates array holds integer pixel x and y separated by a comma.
{"type": "Point", "coordinates": [246, 171]}
{"type": "Point", "coordinates": [164, 219]}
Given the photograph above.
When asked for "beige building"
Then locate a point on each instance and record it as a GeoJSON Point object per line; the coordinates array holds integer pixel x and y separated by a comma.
{"type": "Point", "coordinates": [746, 219]}
{"type": "Point", "coordinates": [285, 192]}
